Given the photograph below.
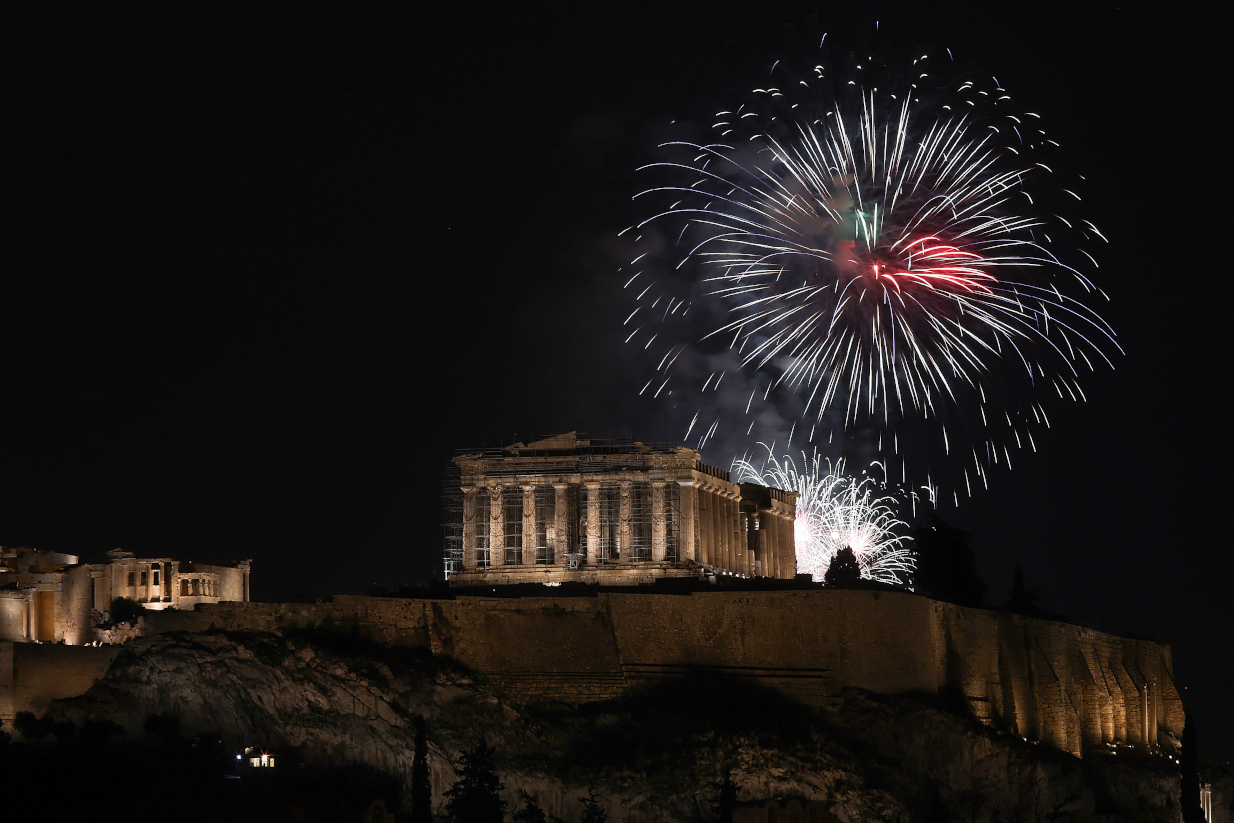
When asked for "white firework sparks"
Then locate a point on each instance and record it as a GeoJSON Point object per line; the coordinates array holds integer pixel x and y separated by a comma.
{"type": "Point", "coordinates": [835, 510]}
{"type": "Point", "coordinates": [884, 254]}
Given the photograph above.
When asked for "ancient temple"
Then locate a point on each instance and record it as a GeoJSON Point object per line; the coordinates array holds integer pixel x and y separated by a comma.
{"type": "Point", "coordinates": [568, 509]}
{"type": "Point", "coordinates": [50, 597]}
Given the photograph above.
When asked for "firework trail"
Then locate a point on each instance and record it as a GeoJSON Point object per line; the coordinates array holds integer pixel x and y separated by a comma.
{"type": "Point", "coordinates": [834, 510]}
{"type": "Point", "coordinates": [885, 254]}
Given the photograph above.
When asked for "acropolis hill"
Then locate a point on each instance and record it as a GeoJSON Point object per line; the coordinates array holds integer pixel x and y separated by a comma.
{"type": "Point", "coordinates": [713, 670]}
{"type": "Point", "coordinates": [1068, 686]}
{"type": "Point", "coordinates": [662, 578]}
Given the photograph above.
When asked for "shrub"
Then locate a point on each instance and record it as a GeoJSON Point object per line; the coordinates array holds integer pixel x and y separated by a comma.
{"type": "Point", "coordinates": [125, 610]}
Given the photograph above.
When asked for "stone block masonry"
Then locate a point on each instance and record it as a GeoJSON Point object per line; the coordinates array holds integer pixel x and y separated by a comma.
{"type": "Point", "coordinates": [32, 674]}
{"type": "Point", "coordinates": [1064, 685]}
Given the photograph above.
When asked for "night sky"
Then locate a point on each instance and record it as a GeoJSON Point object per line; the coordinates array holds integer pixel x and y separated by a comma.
{"type": "Point", "coordinates": [265, 274]}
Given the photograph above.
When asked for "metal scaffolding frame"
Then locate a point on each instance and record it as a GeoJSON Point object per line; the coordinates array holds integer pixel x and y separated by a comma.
{"type": "Point", "coordinates": [634, 518]}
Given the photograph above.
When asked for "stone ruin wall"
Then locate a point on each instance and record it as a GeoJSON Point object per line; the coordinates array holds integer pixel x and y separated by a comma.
{"type": "Point", "coordinates": [231, 581]}
{"type": "Point", "coordinates": [1065, 685]}
{"type": "Point", "coordinates": [34, 674]}
{"type": "Point", "coordinates": [73, 606]}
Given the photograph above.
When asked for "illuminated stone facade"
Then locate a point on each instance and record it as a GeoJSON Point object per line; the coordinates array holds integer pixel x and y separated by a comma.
{"type": "Point", "coordinates": [49, 597]}
{"type": "Point", "coordinates": [565, 509]}
{"type": "Point", "coordinates": [1066, 686]}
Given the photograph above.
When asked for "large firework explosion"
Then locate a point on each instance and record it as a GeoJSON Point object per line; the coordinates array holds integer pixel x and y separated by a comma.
{"type": "Point", "coordinates": [889, 253]}
{"type": "Point", "coordinates": [835, 510]}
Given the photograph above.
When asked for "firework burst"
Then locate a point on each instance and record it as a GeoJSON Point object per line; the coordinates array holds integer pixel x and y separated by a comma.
{"type": "Point", "coordinates": [835, 510]}
{"type": "Point", "coordinates": [882, 253]}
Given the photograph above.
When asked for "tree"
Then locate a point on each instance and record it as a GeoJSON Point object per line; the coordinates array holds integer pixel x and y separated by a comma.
{"type": "Point", "coordinates": [946, 567]}
{"type": "Point", "coordinates": [165, 727]}
{"type": "Point", "coordinates": [31, 727]}
{"type": "Point", "coordinates": [37, 728]}
{"type": "Point", "coordinates": [592, 812]}
{"type": "Point", "coordinates": [1022, 599]}
{"type": "Point", "coordinates": [843, 570]}
{"type": "Point", "coordinates": [476, 797]}
{"type": "Point", "coordinates": [125, 610]}
{"type": "Point", "coordinates": [531, 811]}
{"type": "Point", "coordinates": [421, 784]}
{"type": "Point", "coordinates": [1189, 762]}
{"type": "Point", "coordinates": [728, 799]}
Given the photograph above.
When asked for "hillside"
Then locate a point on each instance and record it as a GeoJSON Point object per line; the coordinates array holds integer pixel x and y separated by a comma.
{"type": "Point", "coordinates": [658, 755]}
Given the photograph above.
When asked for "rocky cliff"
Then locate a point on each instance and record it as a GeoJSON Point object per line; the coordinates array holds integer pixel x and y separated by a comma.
{"type": "Point", "coordinates": [1071, 687]}
{"type": "Point", "coordinates": [658, 755]}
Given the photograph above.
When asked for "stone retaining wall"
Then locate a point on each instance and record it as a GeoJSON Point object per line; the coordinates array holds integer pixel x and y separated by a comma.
{"type": "Point", "coordinates": [34, 674]}
{"type": "Point", "coordinates": [1065, 685]}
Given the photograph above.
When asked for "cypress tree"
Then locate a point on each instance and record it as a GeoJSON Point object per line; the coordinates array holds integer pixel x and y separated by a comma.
{"type": "Point", "coordinates": [946, 565]}
{"type": "Point", "coordinates": [728, 799]}
{"type": "Point", "coordinates": [476, 797]}
{"type": "Point", "coordinates": [1022, 599]}
{"type": "Point", "coordinates": [592, 812]}
{"type": "Point", "coordinates": [1189, 763]}
{"type": "Point", "coordinates": [421, 785]}
{"type": "Point", "coordinates": [531, 811]}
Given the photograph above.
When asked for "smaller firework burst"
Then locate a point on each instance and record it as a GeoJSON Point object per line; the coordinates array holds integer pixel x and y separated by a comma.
{"type": "Point", "coordinates": [834, 510]}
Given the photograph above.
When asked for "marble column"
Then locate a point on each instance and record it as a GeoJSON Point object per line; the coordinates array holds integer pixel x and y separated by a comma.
{"type": "Point", "coordinates": [559, 536]}
{"type": "Point", "coordinates": [591, 551]}
{"type": "Point", "coordinates": [529, 525]}
{"type": "Point", "coordinates": [731, 534]}
{"type": "Point", "coordinates": [707, 532]}
{"type": "Point", "coordinates": [772, 563]}
{"type": "Point", "coordinates": [702, 496]}
{"type": "Point", "coordinates": [496, 527]}
{"type": "Point", "coordinates": [659, 530]}
{"type": "Point", "coordinates": [469, 527]}
{"type": "Point", "coordinates": [738, 532]}
{"type": "Point", "coordinates": [624, 531]}
{"type": "Point", "coordinates": [702, 523]}
{"type": "Point", "coordinates": [689, 510]}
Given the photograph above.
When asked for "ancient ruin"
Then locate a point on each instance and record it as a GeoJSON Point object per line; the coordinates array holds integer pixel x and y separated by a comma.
{"type": "Point", "coordinates": [1072, 688]}
{"type": "Point", "coordinates": [49, 597]}
{"type": "Point", "coordinates": [600, 511]}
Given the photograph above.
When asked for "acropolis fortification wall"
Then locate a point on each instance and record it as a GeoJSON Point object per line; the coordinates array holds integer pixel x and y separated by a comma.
{"type": "Point", "coordinates": [1065, 685]}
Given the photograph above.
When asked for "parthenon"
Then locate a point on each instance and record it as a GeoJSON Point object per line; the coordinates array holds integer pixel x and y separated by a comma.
{"type": "Point", "coordinates": [599, 511]}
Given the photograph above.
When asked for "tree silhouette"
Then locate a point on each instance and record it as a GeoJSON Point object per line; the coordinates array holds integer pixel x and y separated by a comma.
{"type": "Point", "coordinates": [1189, 762]}
{"type": "Point", "coordinates": [531, 811]}
{"type": "Point", "coordinates": [31, 727]}
{"type": "Point", "coordinates": [592, 813]}
{"type": "Point", "coordinates": [1022, 599]}
{"type": "Point", "coordinates": [728, 799]}
{"type": "Point", "coordinates": [476, 797]}
{"type": "Point", "coordinates": [946, 567]}
{"type": "Point", "coordinates": [421, 785]}
{"type": "Point", "coordinates": [125, 610]}
{"type": "Point", "coordinates": [843, 570]}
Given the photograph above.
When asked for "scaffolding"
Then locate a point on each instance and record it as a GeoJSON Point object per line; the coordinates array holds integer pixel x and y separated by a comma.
{"type": "Point", "coordinates": [544, 548]}
{"type": "Point", "coordinates": [550, 547]}
{"type": "Point", "coordinates": [452, 525]}
{"type": "Point", "coordinates": [570, 503]}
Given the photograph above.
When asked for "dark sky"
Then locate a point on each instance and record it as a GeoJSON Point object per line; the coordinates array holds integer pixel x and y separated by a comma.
{"type": "Point", "coordinates": [266, 273]}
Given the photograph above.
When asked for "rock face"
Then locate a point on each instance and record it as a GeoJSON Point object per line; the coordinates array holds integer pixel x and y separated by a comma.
{"type": "Point", "coordinates": [656, 756]}
{"type": "Point", "coordinates": [1071, 687]}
